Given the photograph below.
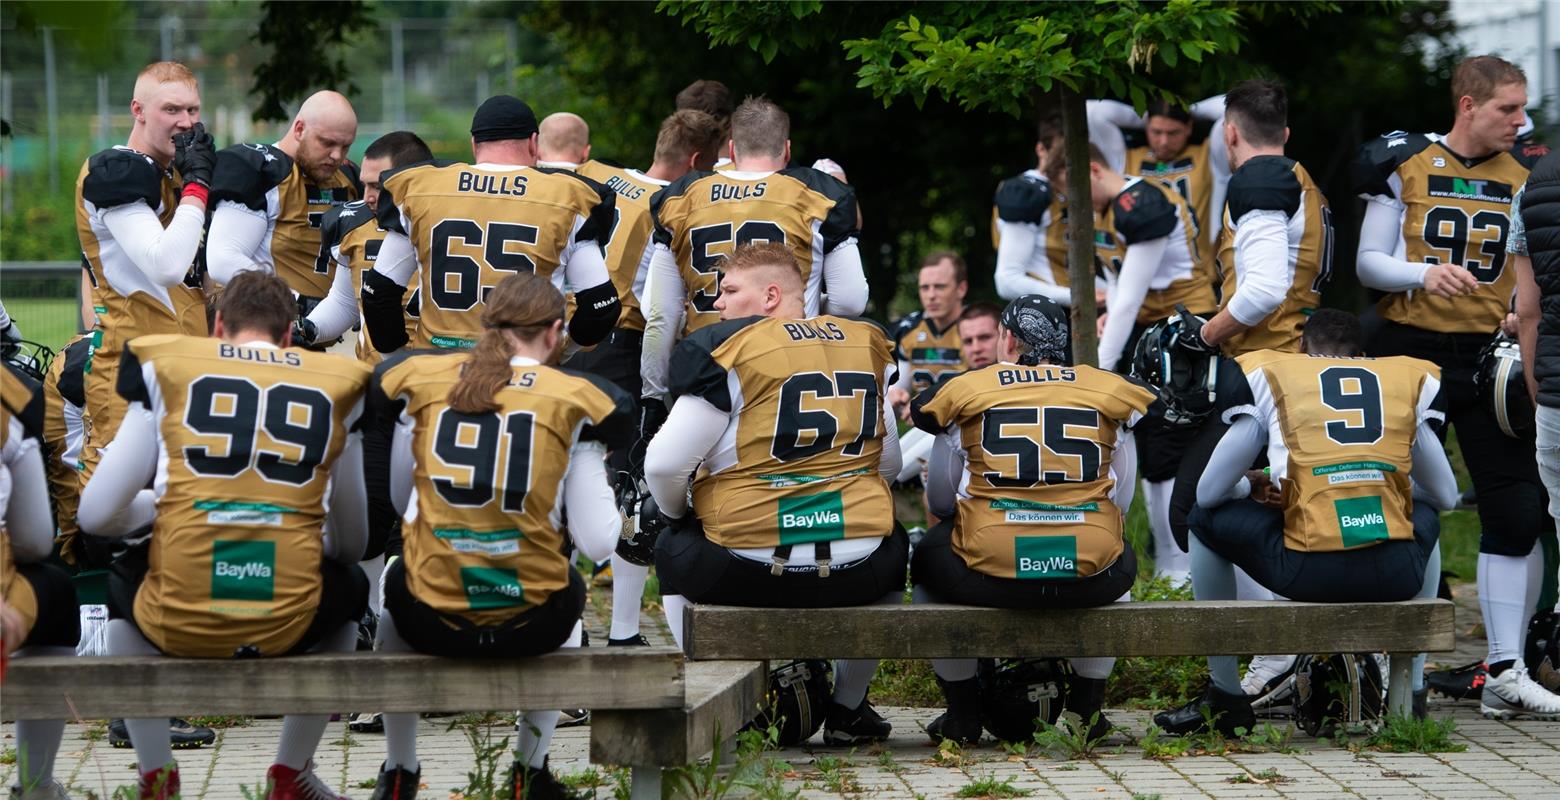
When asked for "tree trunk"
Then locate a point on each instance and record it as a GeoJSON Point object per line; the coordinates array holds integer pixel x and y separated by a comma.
{"type": "Point", "coordinates": [1080, 229]}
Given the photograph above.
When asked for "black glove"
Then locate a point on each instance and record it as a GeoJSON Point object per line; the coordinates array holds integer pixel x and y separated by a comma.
{"type": "Point", "coordinates": [652, 414]}
{"type": "Point", "coordinates": [1189, 337]}
{"type": "Point", "coordinates": [303, 333]}
{"type": "Point", "coordinates": [637, 545]}
{"type": "Point", "coordinates": [195, 155]}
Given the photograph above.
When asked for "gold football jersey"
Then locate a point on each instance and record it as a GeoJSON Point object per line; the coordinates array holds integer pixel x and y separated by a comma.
{"type": "Point", "coordinates": [473, 225]}
{"type": "Point", "coordinates": [351, 237]}
{"type": "Point", "coordinates": [1027, 198]}
{"type": "Point", "coordinates": [629, 241]}
{"type": "Point", "coordinates": [487, 541]}
{"type": "Point", "coordinates": [703, 216]}
{"type": "Point", "coordinates": [247, 438]}
{"type": "Point", "coordinates": [127, 304]}
{"type": "Point", "coordinates": [1275, 183]}
{"type": "Point", "coordinates": [1190, 174]}
{"type": "Point", "coordinates": [15, 396]}
{"type": "Point", "coordinates": [64, 431]}
{"type": "Point", "coordinates": [799, 460]}
{"type": "Point", "coordinates": [933, 355]}
{"type": "Point", "coordinates": [1455, 211]}
{"type": "Point", "coordinates": [1038, 444]}
{"type": "Point", "coordinates": [267, 181]}
{"type": "Point", "coordinates": [1340, 436]}
{"type": "Point", "coordinates": [1148, 209]}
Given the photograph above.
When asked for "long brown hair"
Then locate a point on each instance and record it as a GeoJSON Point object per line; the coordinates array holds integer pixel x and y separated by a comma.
{"type": "Point", "coordinates": [523, 304]}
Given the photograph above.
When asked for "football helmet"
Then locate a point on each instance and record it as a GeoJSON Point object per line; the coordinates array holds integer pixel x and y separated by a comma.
{"type": "Point", "coordinates": [1020, 696]}
{"type": "Point", "coordinates": [1503, 388]}
{"type": "Point", "coordinates": [1186, 379]}
{"type": "Point", "coordinates": [1333, 689]}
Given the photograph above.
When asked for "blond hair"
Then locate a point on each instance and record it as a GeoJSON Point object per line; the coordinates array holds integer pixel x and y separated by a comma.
{"type": "Point", "coordinates": [773, 257]}
{"type": "Point", "coordinates": [160, 72]}
{"type": "Point", "coordinates": [760, 128]}
{"type": "Point", "coordinates": [523, 304]}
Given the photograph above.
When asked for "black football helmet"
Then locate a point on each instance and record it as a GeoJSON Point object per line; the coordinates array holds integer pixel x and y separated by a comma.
{"type": "Point", "coordinates": [796, 702]}
{"type": "Point", "coordinates": [1019, 696]}
{"type": "Point", "coordinates": [1503, 388]}
{"type": "Point", "coordinates": [30, 359]}
{"type": "Point", "coordinates": [1186, 380]}
{"type": "Point", "coordinates": [1333, 689]}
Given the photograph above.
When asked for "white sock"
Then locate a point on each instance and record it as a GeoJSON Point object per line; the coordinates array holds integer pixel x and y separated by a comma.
{"type": "Point", "coordinates": [1427, 591]}
{"type": "Point", "coordinates": [401, 728]}
{"type": "Point", "coordinates": [954, 669]}
{"type": "Point", "coordinates": [149, 737]}
{"type": "Point", "coordinates": [301, 733]}
{"type": "Point", "coordinates": [628, 588]}
{"type": "Point", "coordinates": [674, 605]}
{"type": "Point", "coordinates": [1169, 558]}
{"type": "Point", "coordinates": [535, 728]}
{"type": "Point", "coordinates": [374, 568]}
{"type": "Point", "coordinates": [1094, 667]}
{"type": "Point", "coordinates": [851, 678]}
{"type": "Point", "coordinates": [1535, 584]}
{"type": "Point", "coordinates": [1503, 598]}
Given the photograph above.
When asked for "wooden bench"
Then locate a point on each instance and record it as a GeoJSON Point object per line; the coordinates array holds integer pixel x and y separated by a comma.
{"type": "Point", "coordinates": [650, 708]}
{"type": "Point", "coordinates": [1194, 628]}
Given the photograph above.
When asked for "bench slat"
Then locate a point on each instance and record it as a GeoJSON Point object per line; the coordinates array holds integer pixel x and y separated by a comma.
{"type": "Point", "coordinates": [722, 696]}
{"type": "Point", "coordinates": [70, 688]}
{"type": "Point", "coordinates": [1232, 627]}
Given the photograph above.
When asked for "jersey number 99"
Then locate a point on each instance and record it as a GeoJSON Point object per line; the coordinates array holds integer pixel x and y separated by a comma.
{"type": "Point", "coordinates": [238, 410]}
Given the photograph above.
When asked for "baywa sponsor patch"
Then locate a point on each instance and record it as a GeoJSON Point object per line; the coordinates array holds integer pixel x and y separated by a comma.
{"type": "Point", "coordinates": [1031, 513]}
{"type": "Point", "coordinates": [243, 570]}
{"type": "Point", "coordinates": [1045, 556]}
{"type": "Point", "coordinates": [485, 543]}
{"type": "Point", "coordinates": [1354, 472]}
{"type": "Point", "coordinates": [490, 587]}
{"type": "Point", "coordinates": [811, 518]}
{"type": "Point", "coordinates": [1360, 520]}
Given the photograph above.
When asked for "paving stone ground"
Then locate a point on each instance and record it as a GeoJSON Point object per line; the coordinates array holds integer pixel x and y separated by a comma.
{"type": "Point", "coordinates": [1519, 760]}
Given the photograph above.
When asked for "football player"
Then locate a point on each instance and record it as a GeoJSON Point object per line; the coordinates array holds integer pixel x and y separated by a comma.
{"type": "Point", "coordinates": [780, 423]}
{"type": "Point", "coordinates": [1014, 535]}
{"type": "Point", "coordinates": [977, 328]}
{"type": "Point", "coordinates": [704, 215]}
{"type": "Point", "coordinates": [713, 98]}
{"type": "Point", "coordinates": [1276, 239]}
{"type": "Point", "coordinates": [39, 594]}
{"type": "Point", "coordinates": [463, 227]}
{"type": "Point", "coordinates": [498, 447]}
{"type": "Point", "coordinates": [253, 447]}
{"type": "Point", "coordinates": [1346, 510]}
{"type": "Point", "coordinates": [271, 199]}
{"type": "Point", "coordinates": [1434, 238]}
{"type": "Point", "coordinates": [926, 342]}
{"type": "Point", "coordinates": [139, 233]}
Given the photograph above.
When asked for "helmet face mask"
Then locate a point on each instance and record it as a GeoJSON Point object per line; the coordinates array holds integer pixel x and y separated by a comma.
{"type": "Point", "coordinates": [30, 358]}
{"type": "Point", "coordinates": [1503, 388]}
{"type": "Point", "coordinates": [1185, 379]}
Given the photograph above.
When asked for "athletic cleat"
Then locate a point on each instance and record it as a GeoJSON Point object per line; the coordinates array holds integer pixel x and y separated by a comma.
{"type": "Point", "coordinates": [1270, 686]}
{"type": "Point", "coordinates": [637, 640]}
{"type": "Point", "coordinates": [396, 784]}
{"type": "Point", "coordinates": [573, 717]}
{"type": "Point", "coordinates": [852, 726]}
{"type": "Point", "coordinates": [297, 784]}
{"type": "Point", "coordinates": [1459, 683]}
{"type": "Point", "coordinates": [536, 784]}
{"type": "Point", "coordinates": [367, 722]}
{"type": "Point", "coordinates": [602, 574]}
{"type": "Point", "coordinates": [1224, 711]}
{"type": "Point", "coordinates": [962, 729]}
{"type": "Point", "coordinates": [43, 791]}
{"type": "Point", "coordinates": [160, 784]}
{"type": "Point", "coordinates": [1514, 693]}
{"type": "Point", "coordinates": [181, 734]}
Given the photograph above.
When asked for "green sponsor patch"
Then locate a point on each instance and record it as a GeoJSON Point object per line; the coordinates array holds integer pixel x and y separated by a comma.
{"type": "Point", "coordinates": [487, 587]}
{"type": "Point", "coordinates": [811, 518]}
{"type": "Point", "coordinates": [1046, 556]}
{"type": "Point", "coordinates": [224, 505]}
{"type": "Point", "coordinates": [1004, 504]}
{"type": "Point", "coordinates": [1353, 466]}
{"type": "Point", "coordinates": [1360, 520]}
{"type": "Point", "coordinates": [243, 570]}
{"type": "Point", "coordinates": [454, 342]}
{"type": "Point", "coordinates": [488, 543]}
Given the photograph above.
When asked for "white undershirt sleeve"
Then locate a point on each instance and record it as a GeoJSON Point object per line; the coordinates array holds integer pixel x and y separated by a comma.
{"type": "Point", "coordinates": [338, 312]}
{"type": "Point", "coordinates": [1434, 481]}
{"type": "Point", "coordinates": [235, 241]}
{"type": "Point", "coordinates": [346, 534]}
{"type": "Point", "coordinates": [845, 280]}
{"type": "Point", "coordinates": [904, 377]}
{"type": "Point", "coordinates": [1106, 118]}
{"type": "Point", "coordinates": [583, 267]}
{"type": "Point", "coordinates": [1224, 478]}
{"type": "Point", "coordinates": [1126, 297]}
{"type": "Point", "coordinates": [164, 255]}
{"type": "Point", "coordinates": [1380, 264]}
{"type": "Point", "coordinates": [1262, 268]}
{"type": "Point", "coordinates": [944, 469]}
{"type": "Point", "coordinates": [693, 427]}
{"type": "Point", "coordinates": [663, 320]}
{"type": "Point", "coordinates": [594, 521]}
{"type": "Point", "coordinates": [29, 520]}
{"type": "Point", "coordinates": [116, 500]}
{"type": "Point", "coordinates": [1123, 467]}
{"type": "Point", "coordinates": [397, 258]}
{"type": "Point", "coordinates": [1014, 250]}
{"type": "Point", "coordinates": [893, 455]}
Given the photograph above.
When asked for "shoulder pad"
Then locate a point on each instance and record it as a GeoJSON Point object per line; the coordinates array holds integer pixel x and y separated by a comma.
{"type": "Point", "coordinates": [337, 223]}
{"type": "Point", "coordinates": [1231, 389]}
{"type": "Point", "coordinates": [901, 329]}
{"type": "Point", "coordinates": [1156, 408]}
{"type": "Point", "coordinates": [676, 188]}
{"type": "Point", "coordinates": [1023, 198]}
{"type": "Point", "coordinates": [693, 368]}
{"type": "Point", "coordinates": [1529, 153]}
{"type": "Point", "coordinates": [1380, 157]}
{"type": "Point", "coordinates": [1142, 212]}
{"type": "Point", "coordinates": [619, 426]}
{"type": "Point", "coordinates": [246, 172]}
{"type": "Point", "coordinates": [840, 224]}
{"type": "Point", "coordinates": [389, 210]}
{"type": "Point", "coordinates": [120, 176]}
{"type": "Point", "coordinates": [72, 381]}
{"type": "Point", "coordinates": [1266, 183]}
{"type": "Point", "coordinates": [24, 400]}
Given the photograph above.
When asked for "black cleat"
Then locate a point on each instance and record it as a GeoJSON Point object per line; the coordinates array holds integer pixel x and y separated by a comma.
{"type": "Point", "coordinates": [637, 640]}
{"type": "Point", "coordinates": [852, 726]}
{"type": "Point", "coordinates": [536, 784]}
{"type": "Point", "coordinates": [181, 734]}
{"type": "Point", "coordinates": [1086, 698]}
{"type": "Point", "coordinates": [1224, 711]}
{"type": "Point", "coordinates": [573, 717]}
{"type": "Point", "coordinates": [1459, 683]}
{"type": "Point", "coordinates": [962, 729]}
{"type": "Point", "coordinates": [396, 784]}
{"type": "Point", "coordinates": [367, 722]}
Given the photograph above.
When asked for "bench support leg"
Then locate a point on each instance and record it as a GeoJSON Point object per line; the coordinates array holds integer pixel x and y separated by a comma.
{"type": "Point", "coordinates": [645, 783]}
{"type": "Point", "coordinates": [1400, 686]}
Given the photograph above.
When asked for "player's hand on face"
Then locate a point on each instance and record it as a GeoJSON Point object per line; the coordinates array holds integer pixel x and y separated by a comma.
{"type": "Point", "coordinates": [195, 155]}
{"type": "Point", "coordinates": [1449, 280]}
{"type": "Point", "coordinates": [900, 400]}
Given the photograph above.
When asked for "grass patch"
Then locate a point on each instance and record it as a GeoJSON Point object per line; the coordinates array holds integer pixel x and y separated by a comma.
{"type": "Point", "coordinates": [1408, 735]}
{"type": "Point", "coordinates": [991, 787]}
{"type": "Point", "coordinates": [7, 755]}
{"type": "Point", "coordinates": [49, 321]}
{"type": "Point", "coordinates": [221, 721]}
{"type": "Point", "coordinates": [1263, 778]}
{"type": "Point", "coordinates": [906, 683]}
{"type": "Point", "coordinates": [1069, 737]}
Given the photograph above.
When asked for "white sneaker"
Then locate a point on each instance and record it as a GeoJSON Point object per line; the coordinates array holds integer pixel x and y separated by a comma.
{"type": "Point", "coordinates": [1269, 683]}
{"type": "Point", "coordinates": [1513, 694]}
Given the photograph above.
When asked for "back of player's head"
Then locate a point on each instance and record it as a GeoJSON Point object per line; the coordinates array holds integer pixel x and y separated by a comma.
{"type": "Point", "coordinates": [1049, 131]}
{"type": "Point", "coordinates": [760, 128]}
{"type": "Point", "coordinates": [1478, 77]}
{"type": "Point", "coordinates": [982, 309]}
{"type": "Point", "coordinates": [960, 271]}
{"type": "Point", "coordinates": [1164, 108]}
{"type": "Point", "coordinates": [773, 260]}
{"type": "Point", "coordinates": [400, 147]}
{"type": "Point", "coordinates": [523, 305]}
{"type": "Point", "coordinates": [1056, 165]}
{"type": "Point", "coordinates": [711, 97]}
{"type": "Point", "coordinates": [687, 132]}
{"type": "Point", "coordinates": [1331, 332]}
{"type": "Point", "coordinates": [1260, 110]}
{"type": "Point", "coordinates": [564, 137]}
{"type": "Point", "coordinates": [257, 301]}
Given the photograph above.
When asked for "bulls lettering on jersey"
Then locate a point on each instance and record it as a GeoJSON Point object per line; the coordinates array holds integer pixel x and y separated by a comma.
{"type": "Point", "coordinates": [247, 437]}
{"type": "Point", "coordinates": [21, 408]}
{"type": "Point", "coordinates": [350, 237]}
{"type": "Point", "coordinates": [627, 247]}
{"type": "Point", "coordinates": [127, 303]}
{"type": "Point", "coordinates": [487, 542]}
{"type": "Point", "coordinates": [1455, 210]}
{"type": "Point", "coordinates": [1038, 443]}
{"type": "Point", "coordinates": [64, 433]}
{"type": "Point", "coordinates": [1027, 199]}
{"type": "Point", "coordinates": [1340, 435]}
{"type": "Point", "coordinates": [473, 225]}
{"type": "Point", "coordinates": [800, 462]}
{"type": "Point", "coordinates": [1148, 209]}
{"type": "Point", "coordinates": [267, 181]}
{"type": "Point", "coordinates": [933, 355]}
{"type": "Point", "coordinates": [703, 216]}
{"type": "Point", "coordinates": [1276, 183]}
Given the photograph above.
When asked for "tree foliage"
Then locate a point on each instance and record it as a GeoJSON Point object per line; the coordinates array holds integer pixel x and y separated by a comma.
{"type": "Point", "coordinates": [305, 41]}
